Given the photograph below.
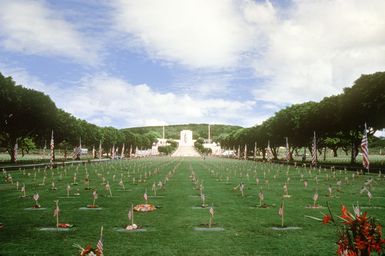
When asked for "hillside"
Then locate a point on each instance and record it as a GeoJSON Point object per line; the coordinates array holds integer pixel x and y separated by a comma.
{"type": "Point", "coordinates": [199, 130]}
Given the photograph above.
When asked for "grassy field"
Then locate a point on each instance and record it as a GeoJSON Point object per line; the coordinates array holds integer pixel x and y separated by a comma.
{"type": "Point", "coordinates": [170, 229]}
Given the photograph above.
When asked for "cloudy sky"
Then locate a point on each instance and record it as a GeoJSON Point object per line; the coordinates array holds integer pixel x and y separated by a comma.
{"type": "Point", "coordinates": [127, 63]}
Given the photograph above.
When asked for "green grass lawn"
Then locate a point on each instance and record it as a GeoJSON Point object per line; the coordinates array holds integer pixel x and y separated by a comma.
{"type": "Point", "coordinates": [170, 229]}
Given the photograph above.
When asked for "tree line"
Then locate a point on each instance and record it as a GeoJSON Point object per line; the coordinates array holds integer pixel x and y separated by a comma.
{"type": "Point", "coordinates": [337, 120]}
{"type": "Point", "coordinates": [28, 117]}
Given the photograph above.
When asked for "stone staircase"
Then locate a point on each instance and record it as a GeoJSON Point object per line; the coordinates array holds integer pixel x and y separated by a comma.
{"type": "Point", "coordinates": [186, 151]}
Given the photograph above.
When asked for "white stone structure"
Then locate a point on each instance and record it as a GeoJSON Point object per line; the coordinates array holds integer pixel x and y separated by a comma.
{"type": "Point", "coordinates": [186, 138]}
{"type": "Point", "coordinates": [186, 145]}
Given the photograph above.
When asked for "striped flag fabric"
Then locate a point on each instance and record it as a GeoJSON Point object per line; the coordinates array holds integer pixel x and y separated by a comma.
{"type": "Point", "coordinates": [56, 211]}
{"type": "Point", "coordinates": [99, 245]}
{"type": "Point", "coordinates": [52, 150]}
{"type": "Point", "coordinates": [315, 197]}
{"type": "Point", "coordinates": [129, 214]}
{"type": "Point", "coordinates": [211, 211]}
{"type": "Point", "coordinates": [314, 151]}
{"type": "Point", "coordinates": [365, 150]}
{"type": "Point", "coordinates": [94, 195]}
{"type": "Point", "coordinates": [36, 196]}
{"type": "Point", "coordinates": [281, 210]}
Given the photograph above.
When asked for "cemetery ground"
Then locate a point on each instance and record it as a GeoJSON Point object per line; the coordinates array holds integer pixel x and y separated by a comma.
{"type": "Point", "coordinates": [179, 226]}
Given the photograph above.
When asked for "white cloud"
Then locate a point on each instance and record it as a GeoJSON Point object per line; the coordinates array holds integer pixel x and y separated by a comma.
{"type": "Point", "coordinates": [31, 27]}
{"type": "Point", "coordinates": [194, 33]}
{"type": "Point", "coordinates": [319, 47]}
{"type": "Point", "coordinates": [101, 98]}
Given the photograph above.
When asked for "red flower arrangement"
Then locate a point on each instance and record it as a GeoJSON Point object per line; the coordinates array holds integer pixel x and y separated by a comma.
{"type": "Point", "coordinates": [64, 225]}
{"type": "Point", "coordinates": [358, 235]}
{"type": "Point", "coordinates": [88, 251]}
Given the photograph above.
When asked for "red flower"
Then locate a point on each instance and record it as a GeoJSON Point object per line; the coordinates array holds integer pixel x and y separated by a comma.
{"type": "Point", "coordinates": [326, 219]}
{"type": "Point", "coordinates": [64, 225]}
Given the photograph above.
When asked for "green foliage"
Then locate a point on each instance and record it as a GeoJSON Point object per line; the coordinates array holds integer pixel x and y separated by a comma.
{"type": "Point", "coordinates": [199, 130]}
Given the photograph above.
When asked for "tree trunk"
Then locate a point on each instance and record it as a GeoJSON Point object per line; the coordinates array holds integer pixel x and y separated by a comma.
{"type": "Point", "coordinates": [324, 153]}
{"type": "Point", "coordinates": [263, 154]}
{"type": "Point", "coordinates": [11, 149]}
{"type": "Point", "coordinates": [304, 155]}
{"type": "Point", "coordinates": [275, 154]}
{"type": "Point", "coordinates": [354, 153]}
{"type": "Point", "coordinates": [335, 152]}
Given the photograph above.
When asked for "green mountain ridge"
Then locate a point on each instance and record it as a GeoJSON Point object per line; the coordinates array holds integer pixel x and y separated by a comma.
{"type": "Point", "coordinates": [199, 130]}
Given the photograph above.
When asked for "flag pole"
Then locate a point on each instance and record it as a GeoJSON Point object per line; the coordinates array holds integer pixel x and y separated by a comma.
{"type": "Point", "coordinates": [57, 213]}
{"type": "Point", "coordinates": [283, 212]}
{"type": "Point", "coordinates": [132, 214]}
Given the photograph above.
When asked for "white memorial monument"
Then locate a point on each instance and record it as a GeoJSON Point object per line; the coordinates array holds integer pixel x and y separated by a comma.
{"type": "Point", "coordinates": [186, 145]}
{"type": "Point", "coordinates": [186, 138]}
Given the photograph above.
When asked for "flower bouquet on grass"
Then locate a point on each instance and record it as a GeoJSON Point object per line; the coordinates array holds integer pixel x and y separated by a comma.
{"type": "Point", "coordinates": [144, 208]}
{"type": "Point", "coordinates": [36, 198]}
{"type": "Point", "coordinates": [358, 234]}
{"type": "Point", "coordinates": [56, 214]}
{"type": "Point", "coordinates": [94, 196]}
{"type": "Point", "coordinates": [89, 251]}
{"type": "Point", "coordinates": [130, 215]}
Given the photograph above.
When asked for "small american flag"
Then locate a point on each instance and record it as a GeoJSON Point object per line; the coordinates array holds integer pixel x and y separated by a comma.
{"type": "Point", "coordinates": [261, 196]}
{"type": "Point", "coordinates": [211, 211]}
{"type": "Point", "coordinates": [365, 150]}
{"type": "Point", "coordinates": [370, 195]}
{"type": "Point", "coordinates": [56, 211]}
{"type": "Point", "coordinates": [95, 195]}
{"type": "Point", "coordinates": [315, 196]}
{"type": "Point", "coordinates": [52, 150]}
{"type": "Point", "coordinates": [280, 210]}
{"type": "Point", "coordinates": [145, 196]}
{"type": "Point", "coordinates": [129, 214]}
{"type": "Point", "coordinates": [36, 197]}
{"type": "Point", "coordinates": [99, 246]}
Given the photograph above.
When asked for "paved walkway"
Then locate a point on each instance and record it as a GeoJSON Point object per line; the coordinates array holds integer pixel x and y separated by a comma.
{"type": "Point", "coordinates": [189, 151]}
